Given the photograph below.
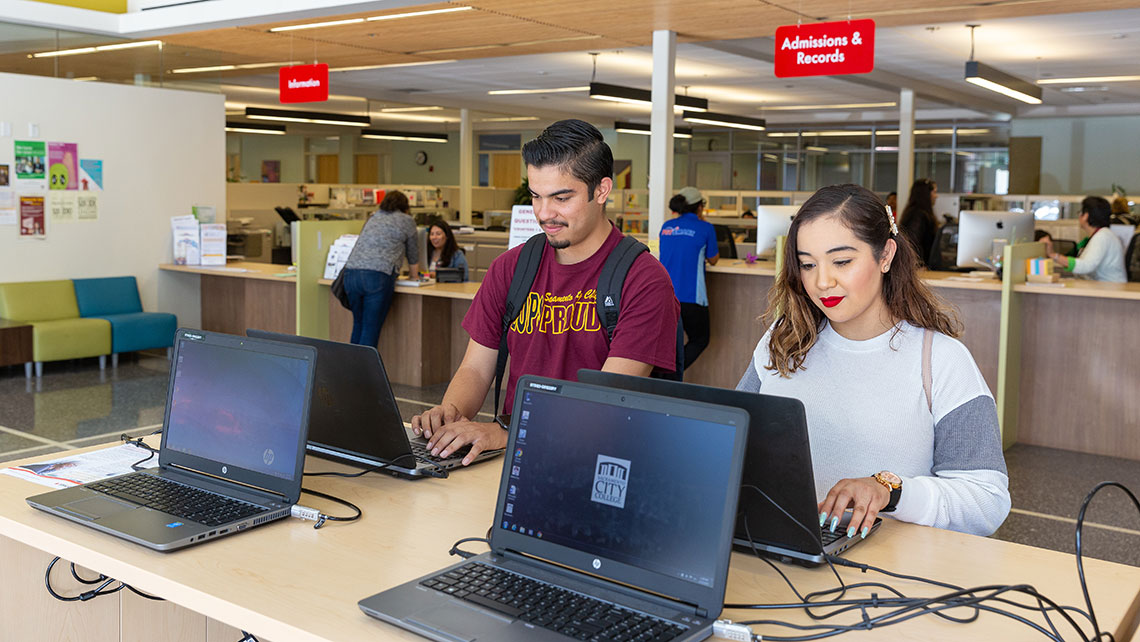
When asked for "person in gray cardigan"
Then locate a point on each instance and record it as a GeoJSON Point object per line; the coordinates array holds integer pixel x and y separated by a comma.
{"type": "Point", "coordinates": [370, 272]}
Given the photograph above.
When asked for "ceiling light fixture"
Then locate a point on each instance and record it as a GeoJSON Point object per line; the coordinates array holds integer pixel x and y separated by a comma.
{"type": "Point", "coordinates": [317, 25]}
{"type": "Point", "coordinates": [388, 134]}
{"type": "Point", "coordinates": [816, 107]}
{"type": "Point", "coordinates": [725, 120]}
{"type": "Point", "coordinates": [413, 14]}
{"type": "Point", "coordinates": [1086, 79]}
{"type": "Point", "coordinates": [630, 95]}
{"type": "Point", "coordinates": [389, 110]}
{"type": "Point", "coordinates": [553, 90]}
{"type": "Point", "coordinates": [100, 48]}
{"type": "Point", "coordinates": [318, 117]}
{"type": "Point", "coordinates": [814, 148]}
{"type": "Point", "coordinates": [962, 131]}
{"type": "Point", "coordinates": [507, 119]}
{"type": "Point", "coordinates": [248, 65]}
{"type": "Point", "coordinates": [255, 128]}
{"type": "Point", "coordinates": [645, 130]}
{"type": "Point", "coordinates": [392, 65]}
{"type": "Point", "coordinates": [418, 118]}
{"type": "Point", "coordinates": [987, 77]}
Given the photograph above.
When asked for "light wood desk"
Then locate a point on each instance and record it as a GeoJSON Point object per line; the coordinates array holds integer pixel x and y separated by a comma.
{"type": "Point", "coordinates": [244, 295]}
{"type": "Point", "coordinates": [287, 582]}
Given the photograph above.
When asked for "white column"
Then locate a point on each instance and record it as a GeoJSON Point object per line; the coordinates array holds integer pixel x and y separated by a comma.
{"type": "Point", "coordinates": [906, 146]}
{"type": "Point", "coordinates": [661, 136]}
{"type": "Point", "coordinates": [466, 163]}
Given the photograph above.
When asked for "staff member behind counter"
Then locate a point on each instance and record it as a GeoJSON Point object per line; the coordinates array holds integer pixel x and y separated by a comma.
{"type": "Point", "coordinates": [1102, 256]}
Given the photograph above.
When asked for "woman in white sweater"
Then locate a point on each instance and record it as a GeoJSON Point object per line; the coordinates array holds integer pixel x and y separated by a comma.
{"type": "Point", "coordinates": [892, 430]}
{"type": "Point", "coordinates": [1102, 257]}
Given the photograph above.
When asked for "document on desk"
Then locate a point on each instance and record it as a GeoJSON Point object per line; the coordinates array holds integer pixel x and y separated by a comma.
{"type": "Point", "coordinates": [81, 469]}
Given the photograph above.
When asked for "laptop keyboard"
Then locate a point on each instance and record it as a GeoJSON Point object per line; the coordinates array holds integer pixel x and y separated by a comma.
{"type": "Point", "coordinates": [550, 607]}
{"type": "Point", "coordinates": [186, 502]}
{"type": "Point", "coordinates": [421, 451]}
{"type": "Point", "coordinates": [829, 537]}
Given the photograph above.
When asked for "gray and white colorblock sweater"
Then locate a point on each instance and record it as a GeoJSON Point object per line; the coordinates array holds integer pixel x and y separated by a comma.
{"type": "Point", "coordinates": [867, 411]}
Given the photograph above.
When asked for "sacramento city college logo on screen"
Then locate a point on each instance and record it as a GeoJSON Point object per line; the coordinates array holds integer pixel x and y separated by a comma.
{"type": "Point", "coordinates": [611, 478]}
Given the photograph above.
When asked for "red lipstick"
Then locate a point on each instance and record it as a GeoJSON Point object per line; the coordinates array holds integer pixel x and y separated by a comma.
{"type": "Point", "coordinates": [831, 301]}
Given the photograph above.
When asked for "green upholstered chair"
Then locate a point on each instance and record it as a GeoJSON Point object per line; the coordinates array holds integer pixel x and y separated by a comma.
{"type": "Point", "coordinates": [58, 332]}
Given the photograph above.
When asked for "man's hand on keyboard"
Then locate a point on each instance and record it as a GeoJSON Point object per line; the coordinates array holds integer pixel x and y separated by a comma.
{"type": "Point", "coordinates": [454, 435]}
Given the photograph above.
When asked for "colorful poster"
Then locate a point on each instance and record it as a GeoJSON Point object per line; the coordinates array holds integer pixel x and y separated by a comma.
{"type": "Point", "coordinates": [87, 206]}
{"type": "Point", "coordinates": [31, 164]}
{"type": "Point", "coordinates": [32, 224]}
{"type": "Point", "coordinates": [63, 166]}
{"type": "Point", "coordinates": [90, 174]}
{"type": "Point", "coordinates": [213, 243]}
{"type": "Point", "coordinates": [62, 207]}
{"type": "Point", "coordinates": [4, 180]}
{"type": "Point", "coordinates": [270, 171]}
{"type": "Point", "coordinates": [8, 214]}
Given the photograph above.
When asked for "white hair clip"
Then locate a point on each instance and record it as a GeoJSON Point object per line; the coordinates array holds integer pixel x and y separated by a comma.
{"type": "Point", "coordinates": [891, 218]}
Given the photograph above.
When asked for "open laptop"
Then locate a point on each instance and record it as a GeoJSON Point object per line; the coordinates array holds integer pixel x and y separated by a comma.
{"type": "Point", "coordinates": [232, 453]}
{"type": "Point", "coordinates": [777, 470]}
{"type": "Point", "coordinates": [614, 518]}
{"type": "Point", "coordinates": [354, 416]}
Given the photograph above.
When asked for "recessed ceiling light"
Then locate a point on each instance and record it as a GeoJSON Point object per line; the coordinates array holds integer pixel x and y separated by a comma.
{"type": "Point", "coordinates": [248, 65]}
{"type": "Point", "coordinates": [391, 65]}
{"type": "Point", "coordinates": [399, 109]}
{"type": "Point", "coordinates": [1086, 79]}
{"type": "Point", "coordinates": [100, 48]}
{"type": "Point", "coordinates": [552, 90]}
{"type": "Point", "coordinates": [413, 14]}
{"type": "Point", "coordinates": [317, 25]}
{"type": "Point", "coordinates": [1081, 90]}
{"type": "Point", "coordinates": [843, 106]}
{"type": "Point", "coordinates": [507, 119]}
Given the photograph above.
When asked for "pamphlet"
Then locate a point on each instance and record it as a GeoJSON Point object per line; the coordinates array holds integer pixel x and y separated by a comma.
{"type": "Point", "coordinates": [81, 469]}
{"type": "Point", "coordinates": [205, 213]}
{"type": "Point", "coordinates": [338, 255]}
{"type": "Point", "coordinates": [187, 250]}
{"type": "Point", "coordinates": [523, 225]}
{"type": "Point", "coordinates": [213, 243]}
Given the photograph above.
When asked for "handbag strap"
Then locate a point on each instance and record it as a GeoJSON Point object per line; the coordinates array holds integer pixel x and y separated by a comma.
{"type": "Point", "coordinates": [927, 379]}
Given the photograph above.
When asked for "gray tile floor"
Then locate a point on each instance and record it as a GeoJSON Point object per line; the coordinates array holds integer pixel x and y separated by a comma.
{"type": "Point", "coordinates": [75, 404]}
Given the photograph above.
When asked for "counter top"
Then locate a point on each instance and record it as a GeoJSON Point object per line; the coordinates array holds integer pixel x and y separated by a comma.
{"type": "Point", "coordinates": [444, 290]}
{"type": "Point", "coordinates": [959, 280]}
{"type": "Point", "coordinates": [1082, 287]}
{"type": "Point", "coordinates": [740, 266]}
{"type": "Point", "coordinates": [238, 269]}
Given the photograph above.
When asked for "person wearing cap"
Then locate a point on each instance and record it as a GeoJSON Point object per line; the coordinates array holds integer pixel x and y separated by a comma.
{"type": "Point", "coordinates": [687, 243]}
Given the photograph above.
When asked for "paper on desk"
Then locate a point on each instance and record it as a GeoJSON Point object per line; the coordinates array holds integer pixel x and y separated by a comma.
{"type": "Point", "coordinates": [971, 279]}
{"type": "Point", "coordinates": [81, 469]}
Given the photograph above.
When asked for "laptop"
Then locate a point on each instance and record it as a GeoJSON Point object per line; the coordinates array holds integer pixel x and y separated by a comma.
{"type": "Point", "coordinates": [232, 452]}
{"type": "Point", "coordinates": [614, 519]}
{"type": "Point", "coordinates": [777, 470]}
{"type": "Point", "coordinates": [354, 416]}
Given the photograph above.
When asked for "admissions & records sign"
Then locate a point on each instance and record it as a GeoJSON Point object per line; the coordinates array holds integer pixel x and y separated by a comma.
{"type": "Point", "coordinates": [825, 48]}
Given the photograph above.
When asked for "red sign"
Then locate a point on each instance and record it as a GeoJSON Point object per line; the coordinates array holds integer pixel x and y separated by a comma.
{"type": "Point", "coordinates": [304, 83]}
{"type": "Point", "coordinates": [825, 49]}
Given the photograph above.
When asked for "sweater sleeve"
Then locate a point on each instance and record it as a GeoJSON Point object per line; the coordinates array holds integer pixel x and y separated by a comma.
{"type": "Point", "coordinates": [750, 380]}
{"type": "Point", "coordinates": [459, 260]}
{"type": "Point", "coordinates": [968, 488]}
{"type": "Point", "coordinates": [1094, 253]}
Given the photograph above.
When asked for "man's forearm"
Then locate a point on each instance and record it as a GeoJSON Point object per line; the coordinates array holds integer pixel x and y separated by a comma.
{"type": "Point", "coordinates": [466, 392]}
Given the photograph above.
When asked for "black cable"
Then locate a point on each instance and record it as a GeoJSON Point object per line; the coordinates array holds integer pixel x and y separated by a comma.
{"type": "Point", "coordinates": [370, 469]}
{"type": "Point", "coordinates": [139, 443]}
{"type": "Point", "coordinates": [102, 589]}
{"type": "Point", "coordinates": [247, 637]}
{"type": "Point", "coordinates": [1079, 549]}
{"type": "Point", "coordinates": [455, 550]}
{"type": "Point", "coordinates": [333, 518]}
{"type": "Point", "coordinates": [83, 581]}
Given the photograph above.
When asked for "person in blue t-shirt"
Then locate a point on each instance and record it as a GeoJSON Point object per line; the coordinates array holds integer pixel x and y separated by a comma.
{"type": "Point", "coordinates": [686, 243]}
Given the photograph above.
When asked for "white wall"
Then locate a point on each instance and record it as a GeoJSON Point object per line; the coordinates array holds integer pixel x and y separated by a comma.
{"type": "Point", "coordinates": [1086, 155]}
{"type": "Point", "coordinates": [163, 152]}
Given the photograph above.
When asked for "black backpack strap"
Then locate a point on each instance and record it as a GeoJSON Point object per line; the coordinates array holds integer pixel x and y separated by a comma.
{"type": "Point", "coordinates": [611, 280]}
{"type": "Point", "coordinates": [522, 280]}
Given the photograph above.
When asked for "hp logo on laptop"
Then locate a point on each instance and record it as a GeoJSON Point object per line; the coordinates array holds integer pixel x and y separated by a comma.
{"type": "Point", "coordinates": [597, 563]}
{"type": "Point", "coordinates": [225, 470]}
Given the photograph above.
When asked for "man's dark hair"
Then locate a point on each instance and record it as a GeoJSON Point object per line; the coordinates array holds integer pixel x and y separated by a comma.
{"type": "Point", "coordinates": [1098, 209]}
{"type": "Point", "coordinates": [677, 204]}
{"type": "Point", "coordinates": [576, 146]}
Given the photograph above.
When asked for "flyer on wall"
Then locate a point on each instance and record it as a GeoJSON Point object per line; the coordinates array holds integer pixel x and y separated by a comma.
{"type": "Point", "coordinates": [62, 206]}
{"type": "Point", "coordinates": [8, 214]}
{"type": "Point", "coordinates": [32, 223]}
{"type": "Point", "coordinates": [63, 166]}
{"type": "Point", "coordinates": [87, 206]}
{"type": "Point", "coordinates": [4, 180]}
{"type": "Point", "coordinates": [90, 174]}
{"type": "Point", "coordinates": [31, 165]}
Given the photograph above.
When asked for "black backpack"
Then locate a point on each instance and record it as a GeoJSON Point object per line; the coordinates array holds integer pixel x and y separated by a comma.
{"type": "Point", "coordinates": [607, 303]}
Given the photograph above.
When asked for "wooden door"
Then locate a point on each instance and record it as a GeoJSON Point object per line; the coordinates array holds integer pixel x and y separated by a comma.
{"type": "Point", "coordinates": [506, 170]}
{"type": "Point", "coordinates": [367, 169]}
{"type": "Point", "coordinates": [328, 168]}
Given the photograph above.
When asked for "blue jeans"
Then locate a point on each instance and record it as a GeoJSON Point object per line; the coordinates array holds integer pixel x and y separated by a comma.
{"type": "Point", "coordinates": [369, 296]}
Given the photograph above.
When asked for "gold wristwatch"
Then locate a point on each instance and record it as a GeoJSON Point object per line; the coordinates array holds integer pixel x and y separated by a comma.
{"type": "Point", "coordinates": [893, 483]}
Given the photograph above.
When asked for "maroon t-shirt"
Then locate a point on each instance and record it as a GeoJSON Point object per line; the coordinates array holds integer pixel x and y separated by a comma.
{"type": "Point", "coordinates": [558, 331]}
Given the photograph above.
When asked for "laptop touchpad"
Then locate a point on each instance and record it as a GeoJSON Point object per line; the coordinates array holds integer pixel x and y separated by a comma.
{"type": "Point", "coordinates": [97, 507]}
{"type": "Point", "coordinates": [460, 622]}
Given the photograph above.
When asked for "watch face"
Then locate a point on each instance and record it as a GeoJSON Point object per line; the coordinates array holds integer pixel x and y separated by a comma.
{"type": "Point", "coordinates": [891, 478]}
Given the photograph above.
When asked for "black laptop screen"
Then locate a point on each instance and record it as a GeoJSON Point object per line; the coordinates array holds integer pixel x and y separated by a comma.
{"type": "Point", "coordinates": [638, 487]}
{"type": "Point", "coordinates": [238, 407]}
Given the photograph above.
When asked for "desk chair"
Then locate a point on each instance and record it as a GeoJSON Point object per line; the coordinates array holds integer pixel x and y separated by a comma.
{"type": "Point", "coordinates": [1132, 259]}
{"type": "Point", "coordinates": [944, 252]}
{"type": "Point", "coordinates": [726, 246]}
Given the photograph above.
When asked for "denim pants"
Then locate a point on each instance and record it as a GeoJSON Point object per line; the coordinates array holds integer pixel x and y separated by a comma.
{"type": "Point", "coordinates": [369, 296]}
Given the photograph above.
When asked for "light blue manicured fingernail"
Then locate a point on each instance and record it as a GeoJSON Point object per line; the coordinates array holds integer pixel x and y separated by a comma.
{"type": "Point", "coordinates": [834, 523]}
{"type": "Point", "coordinates": [822, 519]}
{"type": "Point", "coordinates": [850, 532]}
{"type": "Point", "coordinates": [863, 533]}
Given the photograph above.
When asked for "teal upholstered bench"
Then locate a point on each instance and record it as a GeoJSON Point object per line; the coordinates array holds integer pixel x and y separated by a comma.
{"type": "Point", "coordinates": [116, 299]}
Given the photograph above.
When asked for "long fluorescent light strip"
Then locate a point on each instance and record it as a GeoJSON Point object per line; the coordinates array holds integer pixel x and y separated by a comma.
{"type": "Point", "coordinates": [253, 128]}
{"type": "Point", "coordinates": [645, 130]}
{"type": "Point", "coordinates": [643, 97]}
{"type": "Point", "coordinates": [998, 81]}
{"type": "Point", "coordinates": [388, 110]}
{"type": "Point", "coordinates": [387, 134]}
{"type": "Point", "coordinates": [317, 25]}
{"type": "Point", "coordinates": [323, 118]}
{"type": "Point", "coordinates": [1088, 79]}
{"type": "Point", "coordinates": [847, 106]}
{"type": "Point", "coordinates": [962, 131]}
{"type": "Point", "coordinates": [87, 50]}
{"type": "Point", "coordinates": [725, 120]}
{"type": "Point", "coordinates": [413, 14]}
{"type": "Point", "coordinates": [352, 21]}
{"type": "Point", "coordinates": [391, 65]}
{"type": "Point", "coordinates": [248, 65]}
{"type": "Point", "coordinates": [554, 90]}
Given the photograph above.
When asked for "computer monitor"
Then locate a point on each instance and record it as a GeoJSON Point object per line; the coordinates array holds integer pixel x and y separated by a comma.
{"type": "Point", "coordinates": [772, 221]}
{"type": "Point", "coordinates": [977, 230]}
{"type": "Point", "coordinates": [287, 214]}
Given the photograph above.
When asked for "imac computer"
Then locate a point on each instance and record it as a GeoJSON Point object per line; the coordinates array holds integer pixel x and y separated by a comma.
{"type": "Point", "coordinates": [772, 221]}
{"type": "Point", "coordinates": [978, 229]}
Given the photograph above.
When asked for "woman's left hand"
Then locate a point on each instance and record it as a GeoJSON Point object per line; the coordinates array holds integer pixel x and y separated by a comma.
{"type": "Point", "coordinates": [865, 495]}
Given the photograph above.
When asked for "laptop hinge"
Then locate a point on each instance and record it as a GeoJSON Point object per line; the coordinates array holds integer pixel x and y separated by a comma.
{"type": "Point", "coordinates": [257, 489]}
{"type": "Point", "coordinates": [613, 585]}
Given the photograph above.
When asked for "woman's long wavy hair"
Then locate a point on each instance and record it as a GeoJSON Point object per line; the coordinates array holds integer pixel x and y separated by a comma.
{"type": "Point", "coordinates": [797, 321]}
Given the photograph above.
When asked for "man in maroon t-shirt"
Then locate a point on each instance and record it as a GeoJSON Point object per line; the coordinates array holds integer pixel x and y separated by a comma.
{"type": "Point", "coordinates": [569, 167]}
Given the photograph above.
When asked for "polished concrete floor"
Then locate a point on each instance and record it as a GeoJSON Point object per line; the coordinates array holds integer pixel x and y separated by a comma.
{"type": "Point", "coordinates": [75, 404]}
